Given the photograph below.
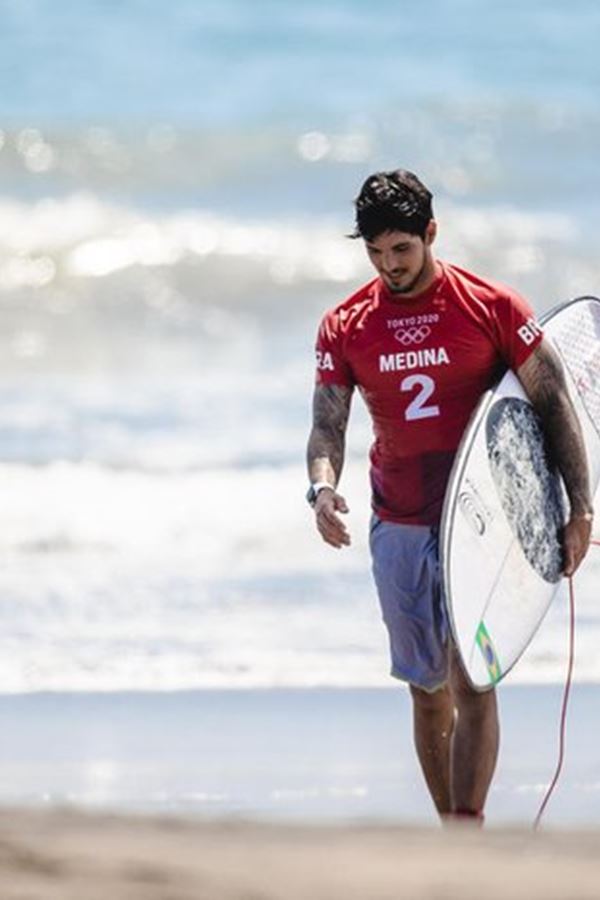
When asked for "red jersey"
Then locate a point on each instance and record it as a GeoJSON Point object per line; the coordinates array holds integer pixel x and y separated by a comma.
{"type": "Point", "coordinates": [421, 364]}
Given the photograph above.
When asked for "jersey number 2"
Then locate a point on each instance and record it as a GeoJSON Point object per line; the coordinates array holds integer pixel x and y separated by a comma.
{"type": "Point", "coordinates": [417, 409]}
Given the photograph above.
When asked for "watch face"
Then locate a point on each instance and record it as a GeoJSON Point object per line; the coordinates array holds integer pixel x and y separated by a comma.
{"type": "Point", "coordinates": [311, 495]}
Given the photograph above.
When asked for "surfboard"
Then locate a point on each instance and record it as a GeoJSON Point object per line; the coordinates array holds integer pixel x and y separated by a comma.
{"type": "Point", "coordinates": [505, 505]}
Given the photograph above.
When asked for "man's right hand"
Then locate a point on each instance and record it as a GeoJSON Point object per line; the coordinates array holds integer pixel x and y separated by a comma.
{"type": "Point", "coordinates": [329, 525]}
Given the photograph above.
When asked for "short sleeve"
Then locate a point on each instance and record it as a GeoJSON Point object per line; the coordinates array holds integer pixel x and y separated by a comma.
{"type": "Point", "coordinates": [519, 332]}
{"type": "Point", "coordinates": [332, 367]}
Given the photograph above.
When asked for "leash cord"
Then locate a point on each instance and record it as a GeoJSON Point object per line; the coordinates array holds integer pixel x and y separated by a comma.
{"type": "Point", "coordinates": [565, 702]}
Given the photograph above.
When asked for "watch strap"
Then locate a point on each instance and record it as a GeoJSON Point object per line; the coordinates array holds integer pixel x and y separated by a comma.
{"type": "Point", "coordinates": [315, 489]}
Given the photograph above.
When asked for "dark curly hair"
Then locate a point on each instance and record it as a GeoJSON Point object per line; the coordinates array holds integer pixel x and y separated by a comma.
{"type": "Point", "coordinates": [392, 201]}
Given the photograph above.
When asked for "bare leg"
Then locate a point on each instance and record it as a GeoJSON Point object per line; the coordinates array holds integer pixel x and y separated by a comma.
{"type": "Point", "coordinates": [433, 716]}
{"type": "Point", "coordinates": [474, 742]}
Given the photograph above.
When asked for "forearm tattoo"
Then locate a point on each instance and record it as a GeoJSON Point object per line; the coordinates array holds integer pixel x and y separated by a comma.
{"type": "Point", "coordinates": [326, 444]}
{"type": "Point", "coordinates": [543, 378]}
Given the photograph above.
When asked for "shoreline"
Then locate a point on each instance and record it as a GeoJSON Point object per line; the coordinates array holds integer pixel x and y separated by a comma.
{"type": "Point", "coordinates": [282, 755]}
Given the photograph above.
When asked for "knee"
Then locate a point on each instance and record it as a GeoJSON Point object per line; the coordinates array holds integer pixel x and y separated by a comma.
{"type": "Point", "coordinates": [430, 703]}
{"type": "Point", "coordinates": [469, 702]}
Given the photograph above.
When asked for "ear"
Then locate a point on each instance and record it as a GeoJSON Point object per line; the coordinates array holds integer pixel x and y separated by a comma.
{"type": "Point", "coordinates": [430, 232]}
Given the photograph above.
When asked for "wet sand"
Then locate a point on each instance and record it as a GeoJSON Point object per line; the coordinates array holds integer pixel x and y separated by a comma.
{"type": "Point", "coordinates": [321, 756]}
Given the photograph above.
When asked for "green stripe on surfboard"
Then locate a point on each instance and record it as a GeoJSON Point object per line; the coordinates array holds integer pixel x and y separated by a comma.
{"type": "Point", "coordinates": [484, 642]}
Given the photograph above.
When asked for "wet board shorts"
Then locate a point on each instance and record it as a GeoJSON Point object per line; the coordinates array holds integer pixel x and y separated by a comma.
{"type": "Point", "coordinates": [406, 572]}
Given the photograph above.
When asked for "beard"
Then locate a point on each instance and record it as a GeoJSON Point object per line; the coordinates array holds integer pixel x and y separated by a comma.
{"type": "Point", "coordinates": [409, 288]}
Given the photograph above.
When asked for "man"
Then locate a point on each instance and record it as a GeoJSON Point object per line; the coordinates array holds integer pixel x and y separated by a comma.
{"type": "Point", "coordinates": [422, 342]}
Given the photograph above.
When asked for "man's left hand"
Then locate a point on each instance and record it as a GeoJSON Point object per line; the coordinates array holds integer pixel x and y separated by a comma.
{"type": "Point", "coordinates": [576, 540]}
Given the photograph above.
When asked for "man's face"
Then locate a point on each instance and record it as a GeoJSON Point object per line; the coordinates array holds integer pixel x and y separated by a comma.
{"type": "Point", "coordinates": [403, 260]}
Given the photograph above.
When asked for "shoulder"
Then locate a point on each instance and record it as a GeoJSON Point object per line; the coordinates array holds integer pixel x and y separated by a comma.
{"type": "Point", "coordinates": [485, 296]}
{"type": "Point", "coordinates": [483, 288]}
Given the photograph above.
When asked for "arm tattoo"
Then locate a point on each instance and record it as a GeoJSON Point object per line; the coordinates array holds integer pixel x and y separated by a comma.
{"type": "Point", "coordinates": [326, 444]}
{"type": "Point", "coordinates": [543, 378]}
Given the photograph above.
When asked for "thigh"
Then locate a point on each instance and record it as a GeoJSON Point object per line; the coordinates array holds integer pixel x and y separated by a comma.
{"type": "Point", "coordinates": [406, 572]}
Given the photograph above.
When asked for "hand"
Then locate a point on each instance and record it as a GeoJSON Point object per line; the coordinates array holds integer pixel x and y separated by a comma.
{"type": "Point", "coordinates": [576, 540]}
{"type": "Point", "coordinates": [330, 526]}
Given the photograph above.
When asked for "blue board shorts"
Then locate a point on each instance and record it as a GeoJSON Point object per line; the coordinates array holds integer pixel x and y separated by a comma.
{"type": "Point", "coordinates": [406, 571]}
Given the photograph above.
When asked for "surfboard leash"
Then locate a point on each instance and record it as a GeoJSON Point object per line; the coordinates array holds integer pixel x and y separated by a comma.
{"type": "Point", "coordinates": [565, 703]}
{"type": "Point", "coordinates": [563, 712]}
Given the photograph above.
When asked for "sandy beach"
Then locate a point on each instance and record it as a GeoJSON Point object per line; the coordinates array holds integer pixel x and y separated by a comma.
{"type": "Point", "coordinates": [64, 855]}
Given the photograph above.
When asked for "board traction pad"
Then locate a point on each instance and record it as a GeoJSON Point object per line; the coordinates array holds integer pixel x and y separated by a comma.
{"type": "Point", "coordinates": [527, 483]}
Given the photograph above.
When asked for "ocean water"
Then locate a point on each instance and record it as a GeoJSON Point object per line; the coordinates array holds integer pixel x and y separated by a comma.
{"type": "Point", "coordinates": [175, 191]}
{"type": "Point", "coordinates": [281, 755]}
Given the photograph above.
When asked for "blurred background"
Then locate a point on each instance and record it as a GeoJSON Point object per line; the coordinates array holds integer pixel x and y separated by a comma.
{"type": "Point", "coordinates": [176, 183]}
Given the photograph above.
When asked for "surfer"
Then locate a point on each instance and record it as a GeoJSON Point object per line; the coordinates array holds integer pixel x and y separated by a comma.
{"type": "Point", "coordinates": [422, 342]}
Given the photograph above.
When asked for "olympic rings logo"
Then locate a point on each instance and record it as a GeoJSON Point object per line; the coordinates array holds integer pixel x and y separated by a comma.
{"type": "Point", "coordinates": [415, 335]}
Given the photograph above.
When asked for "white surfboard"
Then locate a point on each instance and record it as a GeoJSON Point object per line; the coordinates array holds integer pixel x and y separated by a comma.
{"type": "Point", "coordinates": [501, 558]}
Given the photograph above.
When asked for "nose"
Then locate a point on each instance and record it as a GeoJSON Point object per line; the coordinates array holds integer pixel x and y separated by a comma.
{"type": "Point", "coordinates": [390, 262]}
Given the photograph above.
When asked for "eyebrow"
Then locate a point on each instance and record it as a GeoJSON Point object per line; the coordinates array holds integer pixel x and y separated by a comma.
{"type": "Point", "coordinates": [401, 245]}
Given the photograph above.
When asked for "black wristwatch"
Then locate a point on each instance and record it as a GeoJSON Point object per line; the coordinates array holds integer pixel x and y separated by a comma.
{"type": "Point", "coordinates": [315, 489]}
